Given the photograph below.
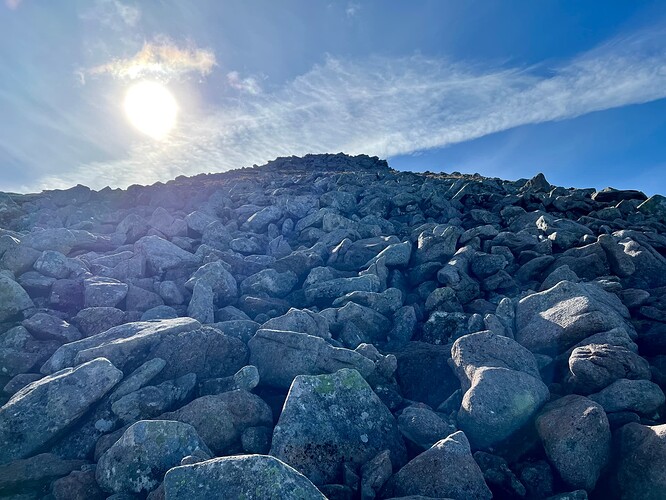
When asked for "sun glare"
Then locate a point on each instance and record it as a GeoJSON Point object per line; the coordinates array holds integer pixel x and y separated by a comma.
{"type": "Point", "coordinates": [151, 108]}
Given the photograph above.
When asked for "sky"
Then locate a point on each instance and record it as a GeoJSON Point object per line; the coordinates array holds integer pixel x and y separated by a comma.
{"type": "Point", "coordinates": [576, 90]}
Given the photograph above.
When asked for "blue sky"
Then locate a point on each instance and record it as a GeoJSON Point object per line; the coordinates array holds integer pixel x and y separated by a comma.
{"type": "Point", "coordinates": [574, 89]}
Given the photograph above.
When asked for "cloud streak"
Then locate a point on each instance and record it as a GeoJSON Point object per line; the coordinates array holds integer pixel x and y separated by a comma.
{"type": "Point", "coordinates": [388, 107]}
{"type": "Point", "coordinates": [161, 58]}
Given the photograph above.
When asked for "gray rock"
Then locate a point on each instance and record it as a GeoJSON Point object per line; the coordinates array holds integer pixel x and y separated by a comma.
{"type": "Point", "coordinates": [301, 321]}
{"type": "Point", "coordinates": [33, 473]}
{"type": "Point", "coordinates": [150, 401]}
{"type": "Point", "coordinates": [66, 355]}
{"type": "Point", "coordinates": [641, 471]}
{"type": "Point", "coordinates": [260, 220]}
{"type": "Point", "coordinates": [217, 277]}
{"type": "Point", "coordinates": [438, 245]}
{"type": "Point", "coordinates": [47, 327]}
{"type": "Point", "coordinates": [103, 292]}
{"type": "Point", "coordinates": [655, 206]}
{"type": "Point", "coordinates": [281, 356]}
{"type": "Point", "coordinates": [447, 470]}
{"type": "Point", "coordinates": [159, 312]}
{"type": "Point", "coordinates": [641, 396]}
{"type": "Point", "coordinates": [555, 319]}
{"type": "Point", "coordinates": [501, 384]}
{"type": "Point", "coordinates": [41, 411]}
{"type": "Point", "coordinates": [201, 306]}
{"type": "Point", "coordinates": [596, 366]}
{"type": "Point", "coordinates": [94, 320]}
{"type": "Point", "coordinates": [220, 419]}
{"type": "Point", "coordinates": [161, 254]}
{"type": "Point", "coordinates": [244, 476]}
{"type": "Point", "coordinates": [397, 254]}
{"type": "Point", "coordinates": [334, 288]}
{"type": "Point", "coordinates": [422, 426]}
{"type": "Point", "coordinates": [269, 282]}
{"type": "Point", "coordinates": [576, 435]}
{"type": "Point", "coordinates": [13, 299]}
{"type": "Point", "coordinates": [137, 462]}
{"type": "Point", "coordinates": [53, 264]}
{"type": "Point", "coordinates": [330, 419]}
{"type": "Point", "coordinates": [78, 485]}
{"type": "Point", "coordinates": [386, 302]}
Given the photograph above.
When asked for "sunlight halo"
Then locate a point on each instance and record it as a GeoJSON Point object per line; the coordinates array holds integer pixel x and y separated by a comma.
{"type": "Point", "coordinates": [151, 108]}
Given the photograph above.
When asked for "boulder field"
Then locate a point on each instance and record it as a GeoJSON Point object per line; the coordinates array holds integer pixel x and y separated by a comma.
{"type": "Point", "coordinates": [327, 327]}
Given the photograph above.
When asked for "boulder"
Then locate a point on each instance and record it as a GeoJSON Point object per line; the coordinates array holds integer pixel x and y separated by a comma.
{"type": "Point", "coordinates": [242, 476]}
{"type": "Point", "coordinates": [501, 384]}
{"type": "Point", "coordinates": [446, 470]}
{"type": "Point", "coordinates": [641, 396]}
{"type": "Point", "coordinates": [596, 366]}
{"type": "Point", "coordinates": [576, 435]}
{"type": "Point", "coordinates": [137, 462]}
{"type": "Point", "coordinates": [641, 453]}
{"type": "Point", "coordinates": [103, 292]}
{"type": "Point", "coordinates": [221, 419]}
{"type": "Point", "coordinates": [281, 356]}
{"type": "Point", "coordinates": [555, 319]}
{"type": "Point", "coordinates": [161, 254]}
{"type": "Point", "coordinates": [41, 411]}
{"type": "Point", "coordinates": [328, 420]}
{"type": "Point", "coordinates": [13, 299]}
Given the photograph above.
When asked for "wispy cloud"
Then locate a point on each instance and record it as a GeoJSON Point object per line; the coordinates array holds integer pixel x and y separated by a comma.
{"type": "Point", "coordinates": [113, 14]}
{"type": "Point", "coordinates": [159, 58]}
{"type": "Point", "coordinates": [248, 84]}
{"type": "Point", "coordinates": [352, 9]}
{"type": "Point", "coordinates": [388, 107]}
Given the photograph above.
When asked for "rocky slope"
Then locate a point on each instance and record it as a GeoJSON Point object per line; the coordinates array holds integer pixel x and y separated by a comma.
{"type": "Point", "coordinates": [328, 327]}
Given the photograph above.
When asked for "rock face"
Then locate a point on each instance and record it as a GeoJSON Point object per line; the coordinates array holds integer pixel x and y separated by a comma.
{"type": "Point", "coordinates": [343, 317]}
{"type": "Point", "coordinates": [39, 412]}
{"type": "Point", "coordinates": [447, 470]}
{"type": "Point", "coordinates": [577, 439]}
{"type": "Point", "coordinates": [502, 384]}
{"type": "Point", "coordinates": [328, 420]}
{"type": "Point", "coordinates": [137, 462]}
{"type": "Point", "coordinates": [244, 476]}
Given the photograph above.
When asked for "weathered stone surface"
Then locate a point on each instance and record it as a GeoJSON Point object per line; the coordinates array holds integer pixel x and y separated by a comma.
{"type": "Point", "coordinates": [641, 396]}
{"type": "Point", "coordinates": [47, 327]}
{"type": "Point", "coordinates": [501, 384]}
{"type": "Point", "coordinates": [221, 419]}
{"type": "Point", "coordinates": [34, 472]}
{"type": "Point", "coordinates": [446, 470]}
{"type": "Point", "coordinates": [553, 320]}
{"type": "Point", "coordinates": [13, 298]}
{"type": "Point", "coordinates": [595, 366]}
{"type": "Point", "coordinates": [243, 476]}
{"type": "Point", "coordinates": [281, 356]}
{"type": "Point", "coordinates": [641, 470]}
{"type": "Point", "coordinates": [137, 462]}
{"type": "Point", "coordinates": [575, 433]}
{"type": "Point", "coordinates": [41, 411]}
{"type": "Point", "coordinates": [332, 419]}
{"type": "Point", "coordinates": [162, 255]}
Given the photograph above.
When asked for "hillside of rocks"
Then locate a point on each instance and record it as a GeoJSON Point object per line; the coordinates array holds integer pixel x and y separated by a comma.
{"type": "Point", "coordinates": [327, 327]}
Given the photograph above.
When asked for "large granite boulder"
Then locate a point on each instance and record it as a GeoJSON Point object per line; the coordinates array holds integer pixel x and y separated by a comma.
{"type": "Point", "coordinates": [137, 462]}
{"type": "Point", "coordinates": [221, 419]}
{"type": "Point", "coordinates": [641, 454]}
{"type": "Point", "coordinates": [576, 435]}
{"type": "Point", "coordinates": [502, 387]}
{"type": "Point", "coordinates": [446, 470]}
{"type": "Point", "coordinates": [281, 356]}
{"type": "Point", "coordinates": [44, 409]}
{"type": "Point", "coordinates": [243, 476]}
{"type": "Point", "coordinates": [551, 321]}
{"type": "Point", "coordinates": [328, 420]}
{"type": "Point", "coordinates": [13, 298]}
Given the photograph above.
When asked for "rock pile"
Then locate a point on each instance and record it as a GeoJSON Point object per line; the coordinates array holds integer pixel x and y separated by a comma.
{"type": "Point", "coordinates": [327, 327]}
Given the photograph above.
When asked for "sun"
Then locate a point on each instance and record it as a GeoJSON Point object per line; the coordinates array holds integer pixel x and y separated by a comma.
{"type": "Point", "coordinates": [151, 108]}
